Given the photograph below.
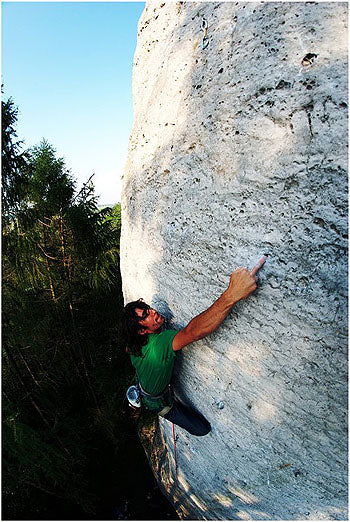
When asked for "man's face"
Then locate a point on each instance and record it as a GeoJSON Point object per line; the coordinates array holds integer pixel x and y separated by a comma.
{"type": "Point", "coordinates": [150, 319]}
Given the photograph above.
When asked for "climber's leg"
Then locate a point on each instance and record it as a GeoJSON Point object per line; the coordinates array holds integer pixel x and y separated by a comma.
{"type": "Point", "coordinates": [188, 418]}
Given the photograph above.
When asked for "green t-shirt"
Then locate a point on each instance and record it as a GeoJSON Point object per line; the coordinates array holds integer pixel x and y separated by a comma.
{"type": "Point", "coordinates": [154, 367]}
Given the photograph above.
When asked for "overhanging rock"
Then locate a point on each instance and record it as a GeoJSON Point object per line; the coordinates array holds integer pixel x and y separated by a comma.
{"type": "Point", "coordinates": [238, 148]}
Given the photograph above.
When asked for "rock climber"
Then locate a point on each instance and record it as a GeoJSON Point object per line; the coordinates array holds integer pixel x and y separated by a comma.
{"type": "Point", "coordinates": [152, 349]}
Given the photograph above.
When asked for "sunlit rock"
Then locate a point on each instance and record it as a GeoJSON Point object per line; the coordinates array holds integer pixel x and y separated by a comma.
{"type": "Point", "coordinates": [239, 148]}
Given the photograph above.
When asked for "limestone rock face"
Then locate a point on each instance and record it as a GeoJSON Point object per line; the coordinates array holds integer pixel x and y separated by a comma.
{"type": "Point", "coordinates": [239, 148]}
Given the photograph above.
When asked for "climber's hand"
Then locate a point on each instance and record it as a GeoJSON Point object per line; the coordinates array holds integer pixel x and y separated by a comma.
{"type": "Point", "coordinates": [243, 282]}
{"type": "Point", "coordinates": [257, 267]}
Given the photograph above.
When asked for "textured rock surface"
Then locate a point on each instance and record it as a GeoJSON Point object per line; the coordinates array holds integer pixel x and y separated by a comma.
{"type": "Point", "coordinates": [238, 149]}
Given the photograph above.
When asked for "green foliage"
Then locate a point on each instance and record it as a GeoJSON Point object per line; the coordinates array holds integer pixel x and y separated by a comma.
{"type": "Point", "coordinates": [115, 216]}
{"type": "Point", "coordinates": [64, 367]}
{"type": "Point", "coordinates": [51, 186]}
{"type": "Point", "coordinates": [13, 161]}
{"type": "Point", "coordinates": [42, 465]}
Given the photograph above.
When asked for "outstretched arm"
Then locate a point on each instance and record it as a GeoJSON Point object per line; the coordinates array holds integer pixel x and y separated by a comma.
{"type": "Point", "coordinates": [242, 284]}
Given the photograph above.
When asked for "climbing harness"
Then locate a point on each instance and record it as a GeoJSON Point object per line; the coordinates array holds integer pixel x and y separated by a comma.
{"type": "Point", "coordinates": [175, 438]}
{"type": "Point", "coordinates": [145, 394]}
{"type": "Point", "coordinates": [205, 39]}
{"type": "Point", "coordinates": [135, 393]}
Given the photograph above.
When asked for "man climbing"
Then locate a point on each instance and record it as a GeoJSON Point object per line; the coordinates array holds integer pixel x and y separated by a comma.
{"type": "Point", "coordinates": [152, 351]}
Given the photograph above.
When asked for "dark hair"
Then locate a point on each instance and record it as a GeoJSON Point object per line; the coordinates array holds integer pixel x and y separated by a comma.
{"type": "Point", "coordinates": [131, 327]}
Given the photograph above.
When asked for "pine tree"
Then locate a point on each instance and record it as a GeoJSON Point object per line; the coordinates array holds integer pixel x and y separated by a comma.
{"type": "Point", "coordinates": [13, 161]}
{"type": "Point", "coordinates": [63, 375]}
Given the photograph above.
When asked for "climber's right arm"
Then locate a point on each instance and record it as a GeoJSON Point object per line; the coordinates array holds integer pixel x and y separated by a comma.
{"type": "Point", "coordinates": [242, 284]}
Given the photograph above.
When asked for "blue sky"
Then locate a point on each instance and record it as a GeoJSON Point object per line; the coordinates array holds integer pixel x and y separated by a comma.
{"type": "Point", "coordinates": [68, 68]}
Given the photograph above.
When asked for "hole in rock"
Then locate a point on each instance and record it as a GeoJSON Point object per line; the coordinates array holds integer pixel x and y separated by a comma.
{"type": "Point", "coordinates": [308, 59]}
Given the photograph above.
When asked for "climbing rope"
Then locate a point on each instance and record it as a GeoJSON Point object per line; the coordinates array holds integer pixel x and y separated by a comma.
{"type": "Point", "coordinates": [175, 454]}
{"type": "Point", "coordinates": [205, 39]}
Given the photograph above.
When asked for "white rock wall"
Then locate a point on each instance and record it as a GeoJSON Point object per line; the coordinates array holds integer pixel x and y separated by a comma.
{"type": "Point", "coordinates": [236, 150]}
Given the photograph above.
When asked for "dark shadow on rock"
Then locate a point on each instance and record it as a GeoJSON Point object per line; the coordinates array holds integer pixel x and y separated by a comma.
{"type": "Point", "coordinates": [163, 308]}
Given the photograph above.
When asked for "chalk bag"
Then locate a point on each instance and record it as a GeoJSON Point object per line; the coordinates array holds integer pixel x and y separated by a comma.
{"type": "Point", "coordinates": [133, 396]}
